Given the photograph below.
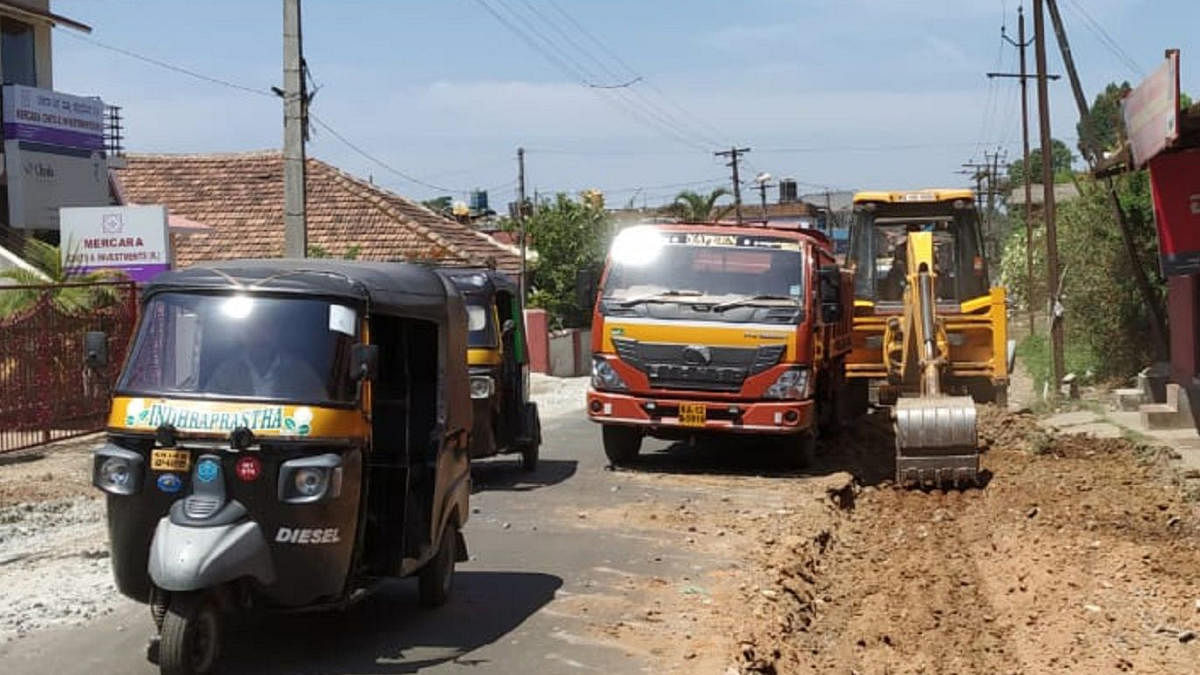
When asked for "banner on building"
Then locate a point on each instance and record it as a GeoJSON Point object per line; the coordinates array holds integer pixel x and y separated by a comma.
{"type": "Point", "coordinates": [1175, 183]}
{"type": "Point", "coordinates": [132, 239]}
{"type": "Point", "coordinates": [53, 118]}
{"type": "Point", "coordinates": [53, 154]}
{"type": "Point", "coordinates": [1151, 111]}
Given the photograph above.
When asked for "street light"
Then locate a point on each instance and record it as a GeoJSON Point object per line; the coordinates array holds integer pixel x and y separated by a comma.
{"type": "Point", "coordinates": [762, 179]}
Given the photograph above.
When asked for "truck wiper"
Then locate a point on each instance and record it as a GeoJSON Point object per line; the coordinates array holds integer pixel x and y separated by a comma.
{"type": "Point", "coordinates": [751, 300]}
{"type": "Point", "coordinates": [665, 296]}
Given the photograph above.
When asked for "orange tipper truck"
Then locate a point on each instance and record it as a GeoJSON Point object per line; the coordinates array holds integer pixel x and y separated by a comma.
{"type": "Point", "coordinates": [719, 329]}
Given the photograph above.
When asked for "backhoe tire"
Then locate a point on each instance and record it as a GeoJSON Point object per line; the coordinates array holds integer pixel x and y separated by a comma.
{"type": "Point", "coordinates": [435, 581]}
{"type": "Point", "coordinates": [190, 641]}
{"type": "Point", "coordinates": [621, 444]}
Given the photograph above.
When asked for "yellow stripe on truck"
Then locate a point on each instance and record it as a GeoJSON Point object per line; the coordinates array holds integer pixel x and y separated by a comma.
{"type": "Point", "coordinates": [710, 333]}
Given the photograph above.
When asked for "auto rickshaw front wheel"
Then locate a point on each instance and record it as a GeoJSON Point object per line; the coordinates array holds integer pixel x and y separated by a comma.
{"type": "Point", "coordinates": [190, 641]}
{"type": "Point", "coordinates": [532, 440]}
{"type": "Point", "coordinates": [436, 578]}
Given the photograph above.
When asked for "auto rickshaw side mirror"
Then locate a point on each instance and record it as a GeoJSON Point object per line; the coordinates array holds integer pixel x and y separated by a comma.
{"type": "Point", "coordinates": [95, 349]}
{"type": "Point", "coordinates": [364, 362]}
{"type": "Point", "coordinates": [508, 327]}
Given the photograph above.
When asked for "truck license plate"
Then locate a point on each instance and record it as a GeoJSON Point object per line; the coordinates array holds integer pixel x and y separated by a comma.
{"type": "Point", "coordinates": [692, 414]}
{"type": "Point", "coordinates": [170, 460]}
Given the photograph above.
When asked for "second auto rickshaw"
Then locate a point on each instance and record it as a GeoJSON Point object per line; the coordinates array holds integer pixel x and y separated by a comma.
{"type": "Point", "coordinates": [506, 421]}
{"type": "Point", "coordinates": [284, 435]}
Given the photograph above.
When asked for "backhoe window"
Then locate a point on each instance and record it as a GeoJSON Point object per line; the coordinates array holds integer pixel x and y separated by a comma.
{"type": "Point", "coordinates": [879, 256]}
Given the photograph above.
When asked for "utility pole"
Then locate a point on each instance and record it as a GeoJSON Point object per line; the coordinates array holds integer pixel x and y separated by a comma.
{"type": "Point", "coordinates": [521, 215]}
{"type": "Point", "coordinates": [732, 154]}
{"type": "Point", "coordinates": [1052, 273]}
{"type": "Point", "coordinates": [295, 104]}
{"type": "Point", "coordinates": [1092, 153]}
{"type": "Point", "coordinates": [1024, 76]}
{"type": "Point", "coordinates": [762, 197]}
{"type": "Point", "coordinates": [985, 200]}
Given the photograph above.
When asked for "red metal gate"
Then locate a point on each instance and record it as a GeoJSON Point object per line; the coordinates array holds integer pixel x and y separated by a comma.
{"type": "Point", "coordinates": [46, 391]}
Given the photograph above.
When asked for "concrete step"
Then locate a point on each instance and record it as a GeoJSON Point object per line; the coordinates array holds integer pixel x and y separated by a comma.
{"type": "Point", "coordinates": [1128, 399]}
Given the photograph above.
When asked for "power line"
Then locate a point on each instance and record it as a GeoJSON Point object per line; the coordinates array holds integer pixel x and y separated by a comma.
{"type": "Point", "coordinates": [178, 69]}
{"type": "Point", "coordinates": [388, 167]}
{"type": "Point", "coordinates": [1107, 40]}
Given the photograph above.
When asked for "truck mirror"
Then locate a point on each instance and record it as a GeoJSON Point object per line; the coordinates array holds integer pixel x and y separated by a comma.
{"type": "Point", "coordinates": [364, 362]}
{"type": "Point", "coordinates": [586, 281]}
{"type": "Point", "coordinates": [829, 278]}
{"type": "Point", "coordinates": [95, 349]}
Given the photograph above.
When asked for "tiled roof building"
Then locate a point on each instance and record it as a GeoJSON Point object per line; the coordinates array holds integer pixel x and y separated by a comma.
{"type": "Point", "coordinates": [238, 201]}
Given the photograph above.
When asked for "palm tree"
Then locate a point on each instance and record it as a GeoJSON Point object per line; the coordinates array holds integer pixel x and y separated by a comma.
{"type": "Point", "coordinates": [67, 299]}
{"type": "Point", "coordinates": [693, 207]}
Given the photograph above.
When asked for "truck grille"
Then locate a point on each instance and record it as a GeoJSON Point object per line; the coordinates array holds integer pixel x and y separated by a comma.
{"type": "Point", "coordinates": [697, 367]}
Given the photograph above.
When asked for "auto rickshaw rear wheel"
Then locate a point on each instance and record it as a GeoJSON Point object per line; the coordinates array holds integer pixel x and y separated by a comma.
{"type": "Point", "coordinates": [436, 578]}
{"type": "Point", "coordinates": [190, 641]}
{"type": "Point", "coordinates": [533, 431]}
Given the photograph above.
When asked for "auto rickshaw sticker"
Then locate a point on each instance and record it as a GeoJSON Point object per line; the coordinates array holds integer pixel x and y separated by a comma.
{"type": "Point", "coordinates": [300, 423]}
{"type": "Point", "coordinates": [217, 417]}
{"type": "Point", "coordinates": [207, 471]}
{"type": "Point", "coordinates": [169, 483]}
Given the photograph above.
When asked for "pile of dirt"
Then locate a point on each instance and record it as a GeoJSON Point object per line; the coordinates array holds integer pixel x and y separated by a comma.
{"type": "Point", "coordinates": [1076, 557]}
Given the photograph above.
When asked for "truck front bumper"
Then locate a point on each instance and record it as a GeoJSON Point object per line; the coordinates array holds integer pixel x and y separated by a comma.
{"type": "Point", "coordinates": [655, 412]}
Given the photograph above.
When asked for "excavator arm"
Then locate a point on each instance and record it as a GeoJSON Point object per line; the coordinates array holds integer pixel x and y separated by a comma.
{"type": "Point", "coordinates": [936, 439]}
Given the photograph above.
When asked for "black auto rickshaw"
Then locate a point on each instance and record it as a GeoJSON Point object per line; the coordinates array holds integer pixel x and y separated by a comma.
{"type": "Point", "coordinates": [284, 435]}
{"type": "Point", "coordinates": [506, 421]}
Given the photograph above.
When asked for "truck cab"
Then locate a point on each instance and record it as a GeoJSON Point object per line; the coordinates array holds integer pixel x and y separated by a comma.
{"type": "Point", "coordinates": [718, 329]}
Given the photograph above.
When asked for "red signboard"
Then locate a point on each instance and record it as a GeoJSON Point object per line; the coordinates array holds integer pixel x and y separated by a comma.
{"type": "Point", "coordinates": [1175, 181]}
{"type": "Point", "coordinates": [1151, 111]}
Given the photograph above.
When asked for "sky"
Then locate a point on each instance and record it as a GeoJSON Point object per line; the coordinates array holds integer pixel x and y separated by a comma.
{"type": "Point", "coordinates": [838, 94]}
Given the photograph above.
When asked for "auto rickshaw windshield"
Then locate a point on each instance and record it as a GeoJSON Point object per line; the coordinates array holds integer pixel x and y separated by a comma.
{"type": "Point", "coordinates": [243, 347]}
{"type": "Point", "coordinates": [481, 329]}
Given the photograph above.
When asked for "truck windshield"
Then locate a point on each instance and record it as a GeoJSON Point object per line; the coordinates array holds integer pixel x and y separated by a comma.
{"type": "Point", "coordinates": [243, 347]}
{"type": "Point", "coordinates": [718, 272]}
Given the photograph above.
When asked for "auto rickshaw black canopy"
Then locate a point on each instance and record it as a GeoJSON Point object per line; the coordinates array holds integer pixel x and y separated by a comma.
{"type": "Point", "coordinates": [390, 287]}
{"type": "Point", "coordinates": [478, 280]}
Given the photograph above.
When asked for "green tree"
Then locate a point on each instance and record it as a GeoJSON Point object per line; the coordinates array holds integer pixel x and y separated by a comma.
{"type": "Point", "coordinates": [1104, 119]}
{"type": "Point", "coordinates": [568, 235]}
{"type": "Point", "coordinates": [1062, 158]}
{"type": "Point", "coordinates": [440, 205]}
{"type": "Point", "coordinates": [1106, 321]}
{"type": "Point", "coordinates": [693, 207]}
{"type": "Point", "coordinates": [68, 299]}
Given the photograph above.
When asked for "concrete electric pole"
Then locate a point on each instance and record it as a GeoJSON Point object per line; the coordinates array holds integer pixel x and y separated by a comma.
{"type": "Point", "coordinates": [733, 154]}
{"type": "Point", "coordinates": [763, 180]}
{"type": "Point", "coordinates": [1021, 43]}
{"type": "Point", "coordinates": [521, 215]}
{"type": "Point", "coordinates": [295, 102]}
{"type": "Point", "coordinates": [1053, 280]}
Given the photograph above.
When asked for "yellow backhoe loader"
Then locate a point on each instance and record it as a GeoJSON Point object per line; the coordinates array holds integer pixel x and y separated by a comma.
{"type": "Point", "coordinates": [930, 333]}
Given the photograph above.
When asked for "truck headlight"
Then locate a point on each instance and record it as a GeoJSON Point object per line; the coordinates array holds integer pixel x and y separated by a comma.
{"type": "Point", "coordinates": [790, 384]}
{"type": "Point", "coordinates": [604, 376]}
{"type": "Point", "coordinates": [310, 479]}
{"type": "Point", "coordinates": [116, 470]}
{"type": "Point", "coordinates": [482, 386]}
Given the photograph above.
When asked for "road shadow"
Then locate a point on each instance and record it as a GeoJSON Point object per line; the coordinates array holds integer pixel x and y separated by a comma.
{"type": "Point", "coordinates": [388, 632]}
{"type": "Point", "coordinates": [505, 474]}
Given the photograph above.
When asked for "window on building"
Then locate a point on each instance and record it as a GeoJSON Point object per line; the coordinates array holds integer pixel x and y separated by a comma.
{"type": "Point", "coordinates": [18, 58]}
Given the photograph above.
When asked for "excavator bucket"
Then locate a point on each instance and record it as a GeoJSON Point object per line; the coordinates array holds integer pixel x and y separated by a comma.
{"type": "Point", "coordinates": [936, 442]}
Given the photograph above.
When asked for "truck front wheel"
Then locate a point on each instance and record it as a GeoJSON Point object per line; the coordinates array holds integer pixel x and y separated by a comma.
{"type": "Point", "coordinates": [621, 444]}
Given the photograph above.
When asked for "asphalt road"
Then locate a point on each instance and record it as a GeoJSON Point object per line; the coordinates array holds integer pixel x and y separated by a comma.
{"type": "Point", "coordinates": [527, 551]}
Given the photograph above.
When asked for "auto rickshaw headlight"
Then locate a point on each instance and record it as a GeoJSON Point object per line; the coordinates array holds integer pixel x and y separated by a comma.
{"type": "Point", "coordinates": [310, 479]}
{"type": "Point", "coordinates": [482, 386]}
{"type": "Point", "coordinates": [117, 471]}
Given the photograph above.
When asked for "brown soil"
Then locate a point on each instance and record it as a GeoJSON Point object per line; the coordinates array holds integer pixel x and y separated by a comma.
{"type": "Point", "coordinates": [1076, 557]}
{"type": "Point", "coordinates": [48, 472]}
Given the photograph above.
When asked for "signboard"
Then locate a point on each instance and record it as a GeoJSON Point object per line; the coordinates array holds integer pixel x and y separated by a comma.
{"type": "Point", "coordinates": [53, 154]}
{"type": "Point", "coordinates": [132, 239]}
{"type": "Point", "coordinates": [54, 118]}
{"type": "Point", "coordinates": [1175, 183]}
{"type": "Point", "coordinates": [1151, 111]}
{"type": "Point", "coordinates": [43, 178]}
